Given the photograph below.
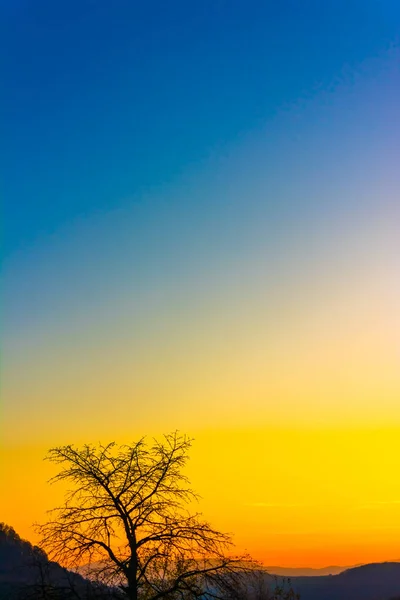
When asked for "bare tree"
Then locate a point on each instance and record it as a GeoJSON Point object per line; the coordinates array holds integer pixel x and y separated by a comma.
{"type": "Point", "coordinates": [126, 518]}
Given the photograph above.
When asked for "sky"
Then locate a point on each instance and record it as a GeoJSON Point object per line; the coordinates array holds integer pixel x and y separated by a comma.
{"type": "Point", "coordinates": [201, 232]}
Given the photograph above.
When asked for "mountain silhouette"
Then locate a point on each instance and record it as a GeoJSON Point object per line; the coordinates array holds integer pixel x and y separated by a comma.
{"type": "Point", "coordinates": [27, 573]}
{"type": "Point", "coordinates": [377, 581]}
{"type": "Point", "coordinates": [306, 571]}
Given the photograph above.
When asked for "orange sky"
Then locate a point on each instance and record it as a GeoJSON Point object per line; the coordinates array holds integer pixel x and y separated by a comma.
{"type": "Point", "coordinates": [292, 497]}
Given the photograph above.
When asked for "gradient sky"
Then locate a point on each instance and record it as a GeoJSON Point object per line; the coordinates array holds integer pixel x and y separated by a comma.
{"type": "Point", "coordinates": [202, 232]}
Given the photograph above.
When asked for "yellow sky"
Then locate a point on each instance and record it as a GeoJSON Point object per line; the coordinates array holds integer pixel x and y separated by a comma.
{"type": "Point", "coordinates": [307, 497]}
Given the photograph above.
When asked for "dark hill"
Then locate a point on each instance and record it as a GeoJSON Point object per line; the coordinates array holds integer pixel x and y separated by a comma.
{"type": "Point", "coordinates": [380, 581]}
{"type": "Point", "coordinates": [27, 574]}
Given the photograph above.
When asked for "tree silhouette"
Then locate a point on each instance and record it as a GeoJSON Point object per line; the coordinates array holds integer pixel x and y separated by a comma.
{"type": "Point", "coordinates": [127, 519]}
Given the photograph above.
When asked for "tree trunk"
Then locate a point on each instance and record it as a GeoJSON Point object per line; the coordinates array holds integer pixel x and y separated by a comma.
{"type": "Point", "coordinates": [132, 592]}
{"type": "Point", "coordinates": [132, 588]}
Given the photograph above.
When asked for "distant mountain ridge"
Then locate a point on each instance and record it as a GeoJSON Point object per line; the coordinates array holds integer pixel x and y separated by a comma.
{"type": "Point", "coordinates": [306, 571]}
{"type": "Point", "coordinates": [314, 571]}
{"type": "Point", "coordinates": [375, 581]}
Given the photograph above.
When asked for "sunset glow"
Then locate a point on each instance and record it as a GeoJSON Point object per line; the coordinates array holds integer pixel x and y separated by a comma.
{"type": "Point", "coordinates": [224, 262]}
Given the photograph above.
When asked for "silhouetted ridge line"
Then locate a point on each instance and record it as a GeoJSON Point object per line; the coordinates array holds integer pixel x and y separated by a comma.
{"type": "Point", "coordinates": [27, 574]}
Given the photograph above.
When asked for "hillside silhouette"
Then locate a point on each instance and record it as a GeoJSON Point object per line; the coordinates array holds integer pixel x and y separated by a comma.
{"type": "Point", "coordinates": [377, 581]}
{"type": "Point", "coordinates": [26, 573]}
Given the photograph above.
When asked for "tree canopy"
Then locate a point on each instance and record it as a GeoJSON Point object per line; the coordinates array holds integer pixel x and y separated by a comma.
{"type": "Point", "coordinates": [127, 518]}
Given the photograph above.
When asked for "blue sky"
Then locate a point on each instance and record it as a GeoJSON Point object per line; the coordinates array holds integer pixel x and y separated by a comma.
{"type": "Point", "coordinates": [105, 102]}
